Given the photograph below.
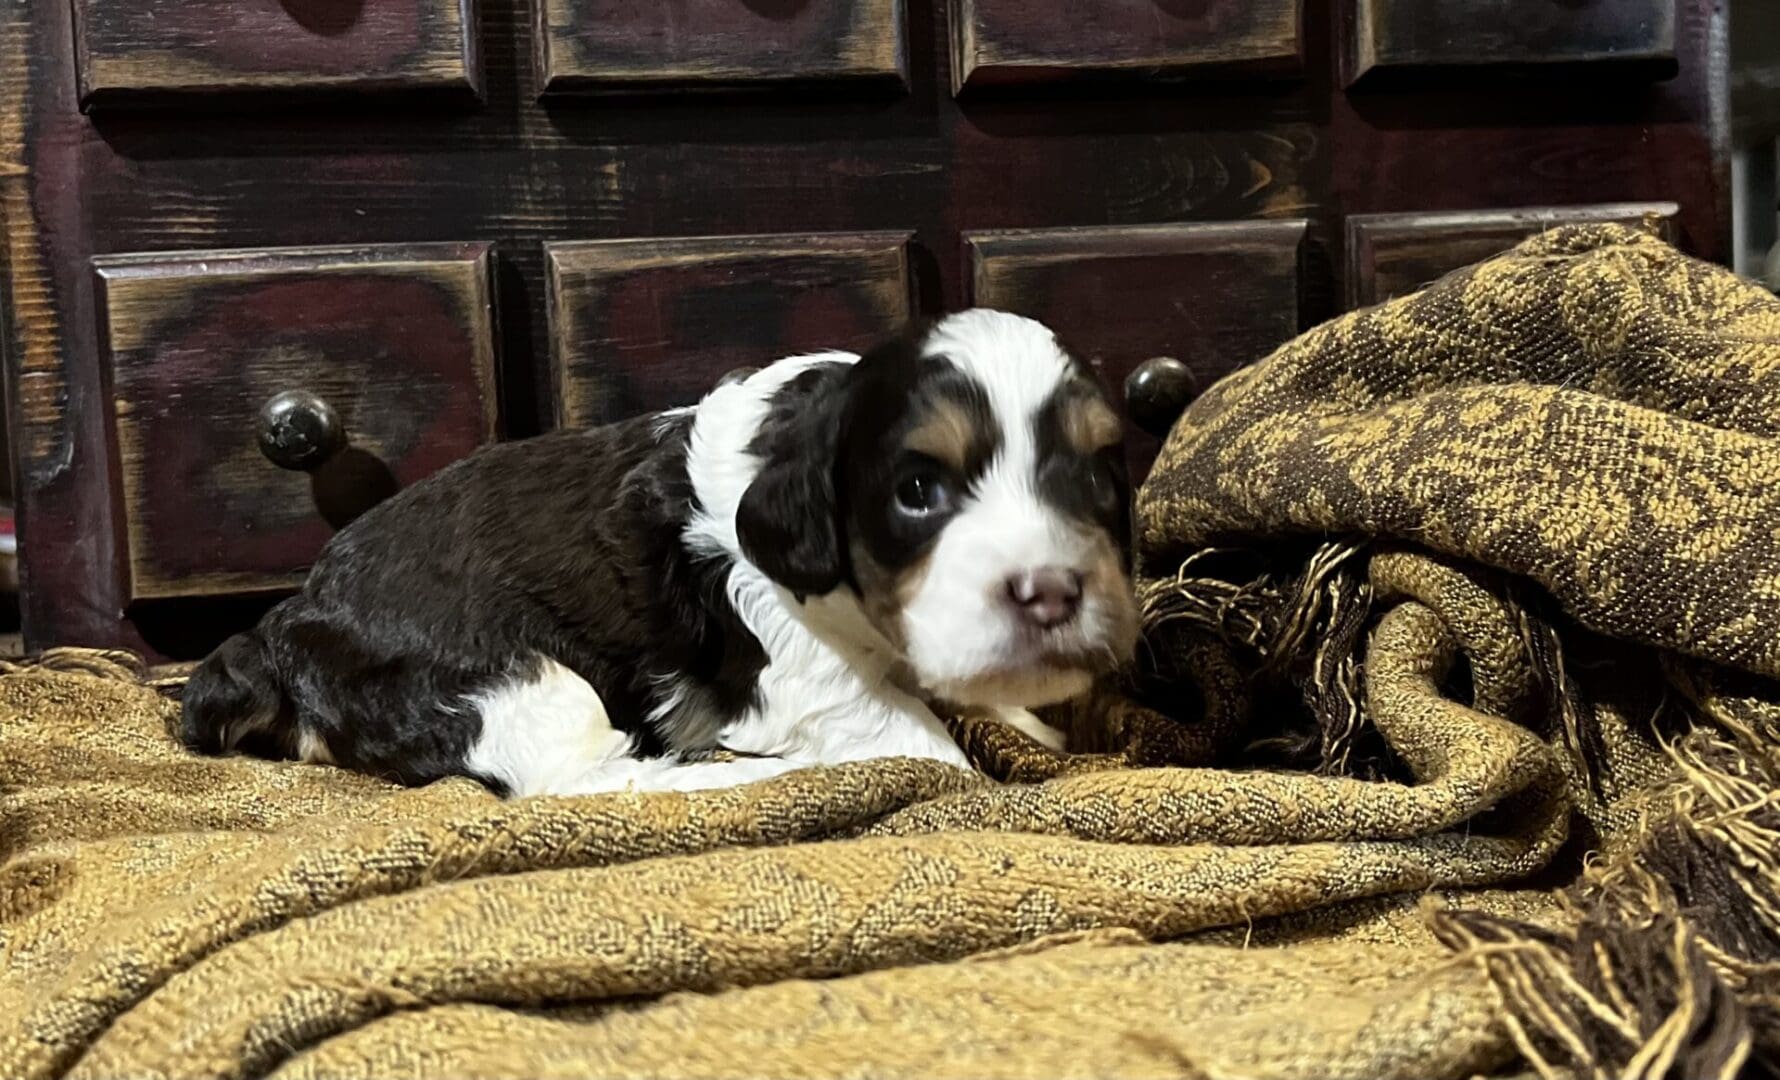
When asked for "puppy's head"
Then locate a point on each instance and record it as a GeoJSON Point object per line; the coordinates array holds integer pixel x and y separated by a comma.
{"type": "Point", "coordinates": [967, 485]}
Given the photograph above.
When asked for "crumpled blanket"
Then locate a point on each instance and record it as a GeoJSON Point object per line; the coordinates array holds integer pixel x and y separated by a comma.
{"type": "Point", "coordinates": [1455, 750]}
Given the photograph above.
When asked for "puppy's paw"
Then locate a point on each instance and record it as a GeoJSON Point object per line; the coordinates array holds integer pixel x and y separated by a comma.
{"type": "Point", "coordinates": [1022, 721]}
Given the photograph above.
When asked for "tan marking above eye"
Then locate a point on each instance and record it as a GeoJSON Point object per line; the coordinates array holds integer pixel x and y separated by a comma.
{"type": "Point", "coordinates": [1090, 424]}
{"type": "Point", "coordinates": [946, 434]}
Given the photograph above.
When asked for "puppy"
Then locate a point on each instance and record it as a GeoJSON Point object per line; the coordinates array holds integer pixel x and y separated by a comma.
{"type": "Point", "coordinates": [799, 569]}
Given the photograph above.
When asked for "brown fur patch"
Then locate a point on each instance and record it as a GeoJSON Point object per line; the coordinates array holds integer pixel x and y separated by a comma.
{"type": "Point", "coordinates": [884, 593]}
{"type": "Point", "coordinates": [946, 433]}
{"type": "Point", "coordinates": [1089, 423]}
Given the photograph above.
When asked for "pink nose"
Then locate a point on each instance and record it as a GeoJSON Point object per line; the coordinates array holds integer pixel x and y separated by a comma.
{"type": "Point", "coordinates": [1046, 597]}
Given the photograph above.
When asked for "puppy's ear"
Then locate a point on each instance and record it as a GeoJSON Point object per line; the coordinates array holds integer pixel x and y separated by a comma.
{"type": "Point", "coordinates": [788, 521]}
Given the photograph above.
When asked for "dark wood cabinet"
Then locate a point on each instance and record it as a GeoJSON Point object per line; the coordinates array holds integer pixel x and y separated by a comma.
{"type": "Point", "coordinates": [662, 45]}
{"type": "Point", "coordinates": [1391, 255]}
{"type": "Point", "coordinates": [640, 325]}
{"type": "Point", "coordinates": [263, 262]}
{"type": "Point", "coordinates": [1588, 38]}
{"type": "Point", "coordinates": [1002, 42]}
{"type": "Point", "coordinates": [396, 343]}
{"type": "Point", "coordinates": [141, 52]}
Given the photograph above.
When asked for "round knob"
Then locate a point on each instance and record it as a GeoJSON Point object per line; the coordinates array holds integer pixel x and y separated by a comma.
{"type": "Point", "coordinates": [1157, 392]}
{"type": "Point", "coordinates": [299, 431]}
{"type": "Point", "coordinates": [736, 375]}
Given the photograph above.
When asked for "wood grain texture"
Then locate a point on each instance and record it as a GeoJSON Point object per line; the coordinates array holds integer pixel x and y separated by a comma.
{"type": "Point", "coordinates": [1390, 255]}
{"type": "Point", "coordinates": [1213, 296]}
{"type": "Point", "coordinates": [641, 325]}
{"type": "Point", "coordinates": [31, 321]}
{"type": "Point", "coordinates": [1414, 37]}
{"type": "Point", "coordinates": [69, 577]}
{"type": "Point", "coordinates": [138, 52]}
{"type": "Point", "coordinates": [1003, 42]}
{"type": "Point", "coordinates": [691, 45]}
{"type": "Point", "coordinates": [398, 341]}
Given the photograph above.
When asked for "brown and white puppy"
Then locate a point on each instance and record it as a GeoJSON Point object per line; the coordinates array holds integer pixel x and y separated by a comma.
{"type": "Point", "coordinates": [798, 568]}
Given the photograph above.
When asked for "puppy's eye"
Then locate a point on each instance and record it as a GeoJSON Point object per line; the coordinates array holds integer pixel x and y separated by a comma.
{"type": "Point", "coordinates": [1103, 486]}
{"type": "Point", "coordinates": [924, 493]}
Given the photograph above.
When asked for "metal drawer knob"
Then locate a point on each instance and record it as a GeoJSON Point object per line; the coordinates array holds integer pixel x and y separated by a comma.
{"type": "Point", "coordinates": [1157, 391]}
{"type": "Point", "coordinates": [299, 431]}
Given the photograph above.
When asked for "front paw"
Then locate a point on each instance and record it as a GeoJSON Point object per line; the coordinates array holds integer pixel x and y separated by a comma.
{"type": "Point", "coordinates": [1024, 722]}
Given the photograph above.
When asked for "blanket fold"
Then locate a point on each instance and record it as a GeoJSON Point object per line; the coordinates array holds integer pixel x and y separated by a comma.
{"type": "Point", "coordinates": [1456, 751]}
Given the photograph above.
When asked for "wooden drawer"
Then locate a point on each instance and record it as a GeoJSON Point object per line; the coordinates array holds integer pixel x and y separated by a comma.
{"type": "Point", "coordinates": [396, 342]}
{"type": "Point", "coordinates": [690, 45]}
{"type": "Point", "coordinates": [143, 51]}
{"type": "Point", "coordinates": [1417, 38]}
{"type": "Point", "coordinates": [1390, 255]}
{"type": "Point", "coordinates": [1004, 42]}
{"type": "Point", "coordinates": [1213, 296]}
{"type": "Point", "coordinates": [641, 325]}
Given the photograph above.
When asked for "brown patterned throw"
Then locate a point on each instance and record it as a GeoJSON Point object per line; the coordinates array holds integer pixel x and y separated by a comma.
{"type": "Point", "coordinates": [1460, 756]}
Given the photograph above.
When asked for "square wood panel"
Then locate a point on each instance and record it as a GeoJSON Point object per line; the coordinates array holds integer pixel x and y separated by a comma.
{"type": "Point", "coordinates": [1391, 255]}
{"type": "Point", "coordinates": [641, 325]}
{"type": "Point", "coordinates": [149, 51]}
{"type": "Point", "coordinates": [398, 341]}
{"type": "Point", "coordinates": [1003, 42]}
{"type": "Point", "coordinates": [693, 45]}
{"type": "Point", "coordinates": [1213, 296]}
{"type": "Point", "coordinates": [1407, 38]}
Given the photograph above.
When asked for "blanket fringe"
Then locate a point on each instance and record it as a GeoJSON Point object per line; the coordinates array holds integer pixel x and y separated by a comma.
{"type": "Point", "coordinates": [1307, 626]}
{"type": "Point", "coordinates": [1671, 964]}
{"type": "Point", "coordinates": [1237, 612]}
{"type": "Point", "coordinates": [1331, 680]}
{"type": "Point", "coordinates": [1578, 728]}
{"type": "Point", "coordinates": [1274, 614]}
{"type": "Point", "coordinates": [120, 665]}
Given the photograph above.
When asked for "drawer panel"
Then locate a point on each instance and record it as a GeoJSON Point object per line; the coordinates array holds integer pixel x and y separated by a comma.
{"type": "Point", "coordinates": [1387, 38]}
{"type": "Point", "coordinates": [1213, 296]}
{"type": "Point", "coordinates": [394, 344]}
{"type": "Point", "coordinates": [1003, 42]}
{"type": "Point", "coordinates": [647, 324]}
{"type": "Point", "coordinates": [690, 45]}
{"type": "Point", "coordinates": [1391, 255]}
{"type": "Point", "coordinates": [144, 51]}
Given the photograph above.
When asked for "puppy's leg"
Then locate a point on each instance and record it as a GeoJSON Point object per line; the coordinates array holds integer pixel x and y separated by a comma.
{"type": "Point", "coordinates": [549, 734]}
{"type": "Point", "coordinates": [669, 774]}
{"type": "Point", "coordinates": [1024, 722]}
{"type": "Point", "coordinates": [914, 731]}
{"type": "Point", "coordinates": [886, 723]}
{"type": "Point", "coordinates": [900, 726]}
{"type": "Point", "coordinates": [544, 732]}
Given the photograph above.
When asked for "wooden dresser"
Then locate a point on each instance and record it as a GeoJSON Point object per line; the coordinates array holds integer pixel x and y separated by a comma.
{"type": "Point", "coordinates": [266, 261]}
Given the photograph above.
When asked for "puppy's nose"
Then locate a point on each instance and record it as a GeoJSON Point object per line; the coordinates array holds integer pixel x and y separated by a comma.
{"type": "Point", "coordinates": [1046, 597]}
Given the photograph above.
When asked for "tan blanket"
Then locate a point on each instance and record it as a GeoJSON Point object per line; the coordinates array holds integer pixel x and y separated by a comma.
{"type": "Point", "coordinates": [1441, 598]}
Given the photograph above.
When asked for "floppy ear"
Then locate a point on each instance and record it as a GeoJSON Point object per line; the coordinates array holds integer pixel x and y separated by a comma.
{"type": "Point", "coordinates": [788, 521]}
